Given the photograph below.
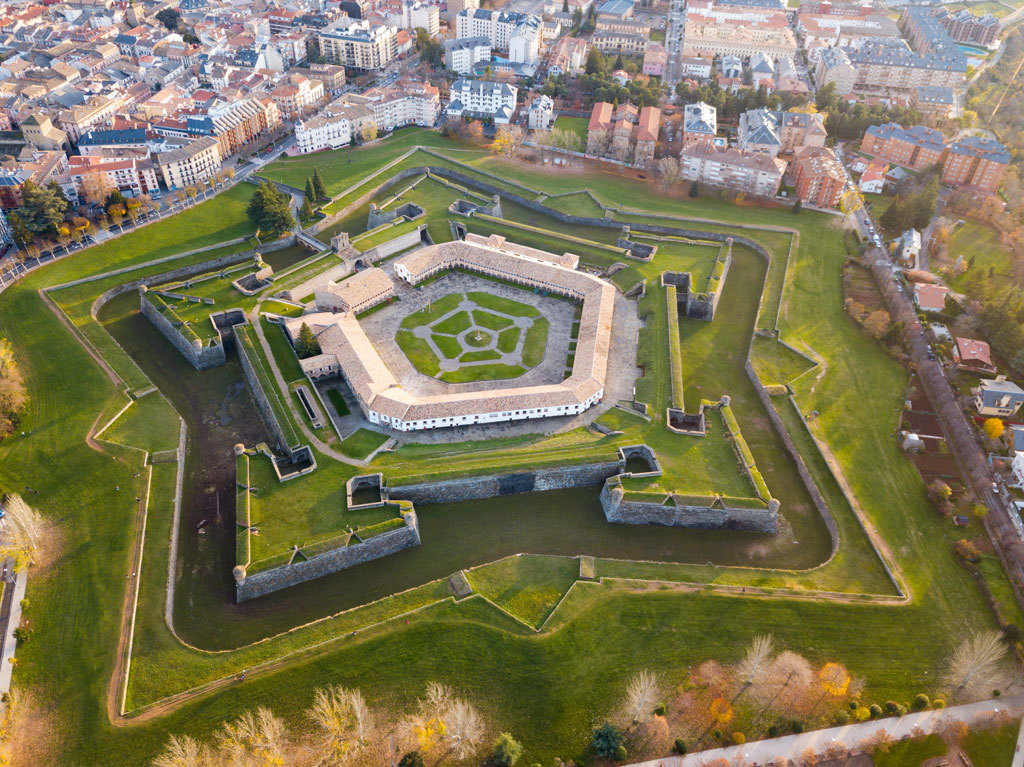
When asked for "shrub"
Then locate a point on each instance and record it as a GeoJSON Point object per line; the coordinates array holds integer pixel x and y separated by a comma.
{"type": "Point", "coordinates": [853, 705]}
{"type": "Point", "coordinates": [773, 731]}
{"type": "Point", "coordinates": [606, 740]}
{"type": "Point", "coordinates": [621, 754]}
{"type": "Point", "coordinates": [875, 710]}
{"type": "Point", "coordinates": [798, 727]}
{"type": "Point", "coordinates": [921, 701]}
{"type": "Point", "coordinates": [938, 703]}
{"type": "Point", "coordinates": [412, 759]}
{"type": "Point", "coordinates": [680, 746]}
{"type": "Point", "coordinates": [842, 718]}
{"type": "Point", "coordinates": [507, 750]}
{"type": "Point", "coordinates": [996, 693]}
{"type": "Point", "coordinates": [891, 706]}
{"type": "Point", "coordinates": [739, 738]}
{"type": "Point", "coordinates": [659, 710]}
{"type": "Point", "coordinates": [862, 713]}
{"type": "Point", "coordinates": [717, 735]}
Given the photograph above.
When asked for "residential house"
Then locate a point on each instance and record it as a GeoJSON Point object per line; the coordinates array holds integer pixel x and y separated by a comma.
{"type": "Point", "coordinates": [930, 298]}
{"type": "Point", "coordinates": [998, 397]}
{"type": "Point", "coordinates": [541, 113]}
{"type": "Point", "coordinates": [909, 246]}
{"type": "Point", "coordinates": [973, 356]}
{"type": "Point", "coordinates": [872, 180]}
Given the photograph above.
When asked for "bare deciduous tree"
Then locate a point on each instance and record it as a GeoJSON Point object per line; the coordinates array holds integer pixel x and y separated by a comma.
{"type": "Point", "coordinates": [975, 668]}
{"type": "Point", "coordinates": [787, 680]}
{"type": "Point", "coordinates": [641, 696]}
{"type": "Point", "coordinates": [256, 738]}
{"type": "Point", "coordinates": [465, 728]}
{"type": "Point", "coordinates": [344, 724]}
{"type": "Point", "coordinates": [754, 666]}
{"type": "Point", "coordinates": [668, 171]}
{"type": "Point", "coordinates": [185, 752]}
{"type": "Point", "coordinates": [22, 531]}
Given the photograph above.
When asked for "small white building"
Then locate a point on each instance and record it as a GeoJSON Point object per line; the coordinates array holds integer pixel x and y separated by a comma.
{"type": "Point", "coordinates": [541, 114]}
{"type": "Point", "coordinates": [909, 246]}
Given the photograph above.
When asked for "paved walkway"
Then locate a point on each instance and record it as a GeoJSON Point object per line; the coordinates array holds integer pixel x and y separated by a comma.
{"type": "Point", "coordinates": [793, 747]}
{"type": "Point", "coordinates": [10, 619]}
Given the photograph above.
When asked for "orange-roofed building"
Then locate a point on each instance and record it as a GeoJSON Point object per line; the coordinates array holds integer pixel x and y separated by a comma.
{"type": "Point", "coordinates": [973, 356]}
{"type": "Point", "coordinates": [626, 134]}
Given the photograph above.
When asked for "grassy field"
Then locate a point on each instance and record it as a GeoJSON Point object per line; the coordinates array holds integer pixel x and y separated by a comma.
{"type": "Point", "coordinates": [149, 423]}
{"type": "Point", "coordinates": [548, 689]}
{"type": "Point", "coordinates": [362, 443]}
{"type": "Point", "coordinates": [577, 125]}
{"type": "Point", "coordinates": [979, 243]}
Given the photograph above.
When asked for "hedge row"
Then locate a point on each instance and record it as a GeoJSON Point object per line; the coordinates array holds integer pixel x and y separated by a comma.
{"type": "Point", "coordinates": [743, 450]}
{"type": "Point", "coordinates": [675, 348]}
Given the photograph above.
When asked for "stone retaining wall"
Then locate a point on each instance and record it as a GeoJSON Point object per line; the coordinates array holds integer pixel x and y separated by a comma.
{"type": "Point", "coordinates": [616, 509]}
{"type": "Point", "coordinates": [199, 356]}
{"type": "Point", "coordinates": [262, 403]}
{"type": "Point", "coordinates": [256, 585]}
{"type": "Point", "coordinates": [385, 249]}
{"type": "Point", "coordinates": [513, 483]}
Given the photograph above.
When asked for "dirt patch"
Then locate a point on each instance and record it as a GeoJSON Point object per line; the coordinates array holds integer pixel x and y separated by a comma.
{"type": "Point", "coordinates": [859, 287]}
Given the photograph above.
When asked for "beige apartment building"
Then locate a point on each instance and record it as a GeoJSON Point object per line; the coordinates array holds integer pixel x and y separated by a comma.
{"type": "Point", "coordinates": [192, 164]}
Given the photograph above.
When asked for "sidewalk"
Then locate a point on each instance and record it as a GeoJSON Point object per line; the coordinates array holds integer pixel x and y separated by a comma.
{"type": "Point", "coordinates": [762, 752]}
{"type": "Point", "coordinates": [10, 618]}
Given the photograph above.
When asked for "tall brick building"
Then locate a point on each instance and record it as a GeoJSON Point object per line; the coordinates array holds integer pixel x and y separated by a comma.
{"type": "Point", "coordinates": [818, 177]}
{"type": "Point", "coordinates": [976, 162]}
{"type": "Point", "coordinates": [915, 148]}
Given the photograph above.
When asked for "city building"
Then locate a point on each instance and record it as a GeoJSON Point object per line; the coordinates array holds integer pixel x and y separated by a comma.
{"type": "Point", "coordinates": [517, 33]}
{"type": "Point", "coordinates": [818, 177]}
{"type": "Point", "coordinates": [190, 165]}
{"type": "Point", "coordinates": [700, 123]}
{"type": "Point", "coordinates": [655, 58]}
{"type": "Point", "coordinates": [625, 43]}
{"type": "Point", "coordinates": [482, 98]}
{"type": "Point", "coordinates": [407, 102]}
{"type": "Point", "coordinates": [626, 134]}
{"type": "Point", "coordinates": [568, 56]}
{"type": "Point", "coordinates": [360, 46]}
{"type": "Point", "coordinates": [131, 176]}
{"type": "Point", "coordinates": [462, 54]}
{"type": "Point", "coordinates": [915, 148]}
{"type": "Point", "coordinates": [236, 124]}
{"type": "Point", "coordinates": [755, 173]}
{"type": "Point", "coordinates": [717, 29]}
{"type": "Point", "coordinates": [40, 132]}
{"type": "Point", "coordinates": [827, 30]}
{"type": "Point", "coordinates": [936, 102]}
{"type": "Point", "coordinates": [331, 76]}
{"type": "Point", "coordinates": [418, 15]}
{"type": "Point", "coordinates": [834, 66]}
{"type": "Point", "coordinates": [298, 96]}
{"type": "Point", "coordinates": [541, 113]}
{"type": "Point", "coordinates": [975, 162]}
{"type": "Point", "coordinates": [964, 27]}
{"type": "Point", "coordinates": [872, 180]}
{"type": "Point", "coordinates": [771, 131]}
{"type": "Point", "coordinates": [336, 126]}
{"type": "Point", "coordinates": [890, 67]}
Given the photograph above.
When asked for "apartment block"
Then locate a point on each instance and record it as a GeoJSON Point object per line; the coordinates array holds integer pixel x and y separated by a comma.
{"type": "Point", "coordinates": [331, 76]}
{"type": "Point", "coordinates": [818, 177]}
{"type": "Point", "coordinates": [482, 98]}
{"type": "Point", "coordinates": [700, 123]}
{"type": "Point", "coordinates": [131, 176]}
{"type": "Point", "coordinates": [462, 54]}
{"type": "Point", "coordinates": [756, 173]}
{"type": "Point", "coordinates": [360, 46]}
{"type": "Point", "coordinates": [626, 134]}
{"type": "Point", "coordinates": [975, 162]}
{"type": "Point", "coordinates": [298, 96]}
{"type": "Point", "coordinates": [517, 33]}
{"type": "Point", "coordinates": [407, 102]}
{"type": "Point", "coordinates": [915, 148]}
{"type": "Point", "coordinates": [771, 131]}
{"type": "Point", "coordinates": [619, 42]}
{"type": "Point", "coordinates": [192, 164]}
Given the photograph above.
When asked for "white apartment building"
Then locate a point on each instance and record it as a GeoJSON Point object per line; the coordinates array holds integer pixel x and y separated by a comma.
{"type": "Point", "coordinates": [360, 45]}
{"type": "Point", "coordinates": [409, 102]}
{"type": "Point", "coordinates": [482, 98]}
{"type": "Point", "coordinates": [517, 33]}
{"type": "Point", "coordinates": [335, 127]}
{"type": "Point", "coordinates": [191, 164]}
{"type": "Point", "coordinates": [756, 173]}
{"type": "Point", "coordinates": [417, 15]}
{"type": "Point", "coordinates": [297, 96]}
{"type": "Point", "coordinates": [461, 55]}
{"type": "Point", "coordinates": [541, 114]}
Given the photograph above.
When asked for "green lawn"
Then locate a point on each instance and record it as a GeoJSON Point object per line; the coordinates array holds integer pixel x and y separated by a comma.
{"type": "Point", "coordinates": [482, 373]}
{"type": "Point", "coordinates": [433, 311]}
{"type": "Point", "coordinates": [284, 354]}
{"type": "Point", "coordinates": [453, 325]}
{"type": "Point", "coordinates": [775, 363]}
{"type": "Point", "coordinates": [338, 402]}
{"type": "Point", "coordinates": [535, 342]}
{"type": "Point", "coordinates": [528, 587]}
{"type": "Point", "coordinates": [362, 443]}
{"type": "Point", "coordinates": [912, 753]}
{"type": "Point", "coordinates": [577, 125]}
{"type": "Point", "coordinates": [995, 747]}
{"type": "Point", "coordinates": [419, 353]}
{"type": "Point", "coordinates": [149, 423]}
{"type": "Point", "coordinates": [503, 305]}
{"type": "Point", "coordinates": [980, 244]}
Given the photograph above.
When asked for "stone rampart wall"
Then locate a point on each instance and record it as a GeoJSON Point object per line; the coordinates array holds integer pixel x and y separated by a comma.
{"type": "Point", "coordinates": [317, 282]}
{"type": "Point", "coordinates": [261, 396]}
{"type": "Point", "coordinates": [513, 483]}
{"type": "Point", "coordinates": [200, 357]}
{"type": "Point", "coordinates": [616, 509]}
{"type": "Point", "coordinates": [385, 249]}
{"type": "Point", "coordinates": [801, 467]}
{"type": "Point", "coordinates": [319, 565]}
